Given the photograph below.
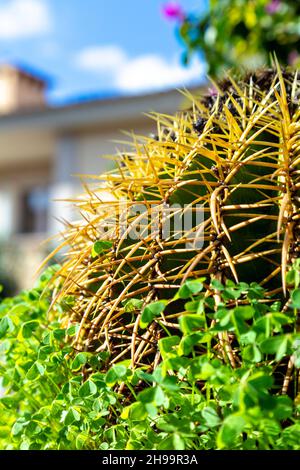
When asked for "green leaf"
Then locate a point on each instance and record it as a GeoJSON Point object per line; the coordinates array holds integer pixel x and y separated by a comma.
{"type": "Point", "coordinates": [189, 323]}
{"type": "Point", "coordinates": [244, 313]}
{"type": "Point", "coordinates": [282, 349]}
{"type": "Point", "coordinates": [81, 441]}
{"type": "Point", "coordinates": [132, 305]}
{"type": "Point", "coordinates": [72, 330]}
{"type": "Point", "coordinates": [189, 288]}
{"type": "Point", "coordinates": [296, 350]}
{"type": "Point", "coordinates": [193, 305]}
{"type": "Point", "coordinates": [100, 247]}
{"type": "Point", "coordinates": [263, 326]}
{"type": "Point", "coordinates": [79, 361]}
{"type": "Point", "coordinates": [117, 372]}
{"type": "Point", "coordinates": [230, 431]}
{"type": "Point", "coordinates": [231, 293]}
{"type": "Point", "coordinates": [28, 328]}
{"type": "Point", "coordinates": [239, 315]}
{"type": "Point", "coordinates": [134, 412]}
{"type": "Point", "coordinates": [296, 298]}
{"type": "Point", "coordinates": [293, 278]}
{"type": "Point", "coordinates": [88, 389]}
{"type": "Point", "coordinates": [188, 342]}
{"type": "Point", "coordinates": [120, 371]}
{"type": "Point", "coordinates": [6, 325]}
{"type": "Point", "coordinates": [151, 311]}
{"type": "Point", "coordinates": [284, 408]}
{"type": "Point", "coordinates": [47, 337]}
{"type": "Point", "coordinates": [251, 353]}
{"type": "Point", "coordinates": [225, 318]}
{"type": "Point", "coordinates": [44, 352]}
{"type": "Point", "coordinates": [270, 428]}
{"type": "Point", "coordinates": [35, 371]}
{"type": "Point", "coordinates": [167, 345]}
{"type": "Point", "coordinates": [230, 283]}
{"type": "Point", "coordinates": [153, 395]}
{"type": "Point", "coordinates": [145, 376]}
{"type": "Point", "coordinates": [260, 381]}
{"type": "Point", "coordinates": [170, 383]}
{"type": "Point", "coordinates": [248, 338]}
{"type": "Point", "coordinates": [255, 291]}
{"type": "Point", "coordinates": [68, 302]}
{"type": "Point", "coordinates": [178, 442]}
{"type": "Point", "coordinates": [32, 429]}
{"type": "Point", "coordinates": [59, 334]}
{"type": "Point", "coordinates": [18, 427]}
{"type": "Point", "coordinates": [71, 416]}
{"type": "Point", "coordinates": [217, 285]}
{"type": "Point", "coordinates": [166, 444]}
{"type": "Point", "coordinates": [276, 345]}
{"type": "Point", "coordinates": [211, 417]}
{"type": "Point", "coordinates": [279, 319]}
{"type": "Point", "coordinates": [291, 436]}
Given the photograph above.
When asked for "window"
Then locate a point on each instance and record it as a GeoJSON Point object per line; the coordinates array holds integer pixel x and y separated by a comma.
{"type": "Point", "coordinates": [34, 209]}
{"type": "Point", "coordinates": [6, 214]}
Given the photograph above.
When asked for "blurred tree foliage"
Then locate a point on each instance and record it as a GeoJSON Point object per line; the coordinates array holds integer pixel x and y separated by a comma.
{"type": "Point", "coordinates": [243, 33]}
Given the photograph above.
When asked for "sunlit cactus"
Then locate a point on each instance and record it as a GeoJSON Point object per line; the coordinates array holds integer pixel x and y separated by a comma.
{"type": "Point", "coordinates": [233, 156]}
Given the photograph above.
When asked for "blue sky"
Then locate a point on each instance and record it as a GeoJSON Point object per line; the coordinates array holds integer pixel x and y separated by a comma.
{"type": "Point", "coordinates": [96, 46]}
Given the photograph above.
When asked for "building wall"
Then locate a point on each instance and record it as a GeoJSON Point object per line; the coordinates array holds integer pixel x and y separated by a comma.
{"type": "Point", "coordinates": [52, 148]}
{"type": "Point", "coordinates": [7, 87]}
{"type": "Point", "coordinates": [21, 253]}
{"type": "Point", "coordinates": [79, 155]}
{"type": "Point", "coordinates": [20, 90]}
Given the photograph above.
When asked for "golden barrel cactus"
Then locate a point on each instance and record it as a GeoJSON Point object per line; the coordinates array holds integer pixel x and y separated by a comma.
{"type": "Point", "coordinates": [230, 164]}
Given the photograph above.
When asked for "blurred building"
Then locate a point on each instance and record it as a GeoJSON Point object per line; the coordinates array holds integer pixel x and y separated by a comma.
{"type": "Point", "coordinates": [42, 146]}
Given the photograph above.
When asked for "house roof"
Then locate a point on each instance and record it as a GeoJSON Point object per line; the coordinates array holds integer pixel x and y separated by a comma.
{"type": "Point", "coordinates": [27, 72]}
{"type": "Point", "coordinates": [93, 112]}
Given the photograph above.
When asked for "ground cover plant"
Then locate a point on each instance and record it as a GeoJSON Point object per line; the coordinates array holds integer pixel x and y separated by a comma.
{"type": "Point", "coordinates": [58, 398]}
{"type": "Point", "coordinates": [147, 338]}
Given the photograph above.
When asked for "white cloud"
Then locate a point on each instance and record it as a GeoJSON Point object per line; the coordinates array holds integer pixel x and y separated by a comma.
{"type": "Point", "coordinates": [105, 59]}
{"type": "Point", "coordinates": [140, 74]}
{"type": "Point", "coordinates": [23, 18]}
{"type": "Point", "coordinates": [152, 72]}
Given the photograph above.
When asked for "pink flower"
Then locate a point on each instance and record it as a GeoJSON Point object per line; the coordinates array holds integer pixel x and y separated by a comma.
{"type": "Point", "coordinates": [293, 57]}
{"type": "Point", "coordinates": [173, 11]}
{"type": "Point", "coordinates": [213, 91]}
{"type": "Point", "coordinates": [273, 7]}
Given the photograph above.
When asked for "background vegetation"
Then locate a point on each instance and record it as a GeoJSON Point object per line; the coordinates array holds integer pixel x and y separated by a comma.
{"type": "Point", "coordinates": [235, 33]}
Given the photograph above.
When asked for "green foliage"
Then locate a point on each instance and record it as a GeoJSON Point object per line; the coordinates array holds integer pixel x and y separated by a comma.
{"type": "Point", "coordinates": [237, 32]}
{"type": "Point", "coordinates": [100, 247]}
{"type": "Point", "coordinates": [47, 404]}
{"type": "Point", "coordinates": [151, 311]}
{"type": "Point", "coordinates": [57, 398]}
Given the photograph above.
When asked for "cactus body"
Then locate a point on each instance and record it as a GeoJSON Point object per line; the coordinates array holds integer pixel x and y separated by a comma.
{"type": "Point", "coordinates": [236, 154]}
